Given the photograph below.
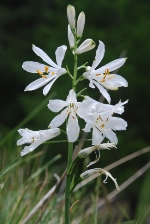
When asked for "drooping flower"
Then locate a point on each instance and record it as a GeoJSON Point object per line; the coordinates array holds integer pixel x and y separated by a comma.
{"type": "Point", "coordinates": [99, 117]}
{"type": "Point", "coordinates": [87, 45]}
{"type": "Point", "coordinates": [101, 77]}
{"type": "Point", "coordinates": [49, 74]}
{"type": "Point", "coordinates": [35, 138]}
{"type": "Point", "coordinates": [85, 152]}
{"type": "Point", "coordinates": [99, 171]}
{"type": "Point", "coordinates": [70, 111]}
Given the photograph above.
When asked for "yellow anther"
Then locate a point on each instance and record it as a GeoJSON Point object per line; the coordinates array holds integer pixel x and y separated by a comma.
{"type": "Point", "coordinates": [41, 74]}
{"type": "Point", "coordinates": [98, 74]}
{"type": "Point", "coordinates": [46, 68]}
{"type": "Point", "coordinates": [100, 118]}
{"type": "Point", "coordinates": [107, 119]}
{"type": "Point", "coordinates": [53, 73]}
{"type": "Point", "coordinates": [102, 126]}
{"type": "Point", "coordinates": [107, 72]}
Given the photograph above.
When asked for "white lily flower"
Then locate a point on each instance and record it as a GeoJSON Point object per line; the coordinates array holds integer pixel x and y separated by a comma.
{"type": "Point", "coordinates": [101, 77]}
{"type": "Point", "coordinates": [36, 138]}
{"type": "Point", "coordinates": [100, 118]}
{"type": "Point", "coordinates": [87, 45]}
{"type": "Point", "coordinates": [49, 74]}
{"type": "Point", "coordinates": [80, 24]}
{"type": "Point", "coordinates": [70, 110]}
{"type": "Point", "coordinates": [99, 171]}
{"type": "Point", "coordinates": [70, 37]}
{"type": "Point", "coordinates": [71, 14]}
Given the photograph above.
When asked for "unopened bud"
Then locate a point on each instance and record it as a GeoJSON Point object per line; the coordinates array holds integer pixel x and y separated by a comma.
{"type": "Point", "coordinates": [70, 37]}
{"type": "Point", "coordinates": [87, 45]}
{"type": "Point", "coordinates": [71, 16]}
{"type": "Point", "coordinates": [80, 24]}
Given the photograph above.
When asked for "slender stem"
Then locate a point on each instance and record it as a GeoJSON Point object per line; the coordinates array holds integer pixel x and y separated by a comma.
{"type": "Point", "coordinates": [68, 182]}
{"type": "Point", "coordinates": [75, 65]}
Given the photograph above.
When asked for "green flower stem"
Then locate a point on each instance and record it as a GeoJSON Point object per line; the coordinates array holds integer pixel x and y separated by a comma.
{"type": "Point", "coordinates": [79, 79]}
{"type": "Point", "coordinates": [72, 165]}
{"type": "Point", "coordinates": [78, 181]}
{"type": "Point", "coordinates": [75, 65]}
{"type": "Point", "coordinates": [68, 182]}
{"type": "Point", "coordinates": [81, 92]}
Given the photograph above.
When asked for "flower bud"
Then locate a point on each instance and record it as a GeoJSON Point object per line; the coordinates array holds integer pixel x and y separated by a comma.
{"type": "Point", "coordinates": [99, 171]}
{"type": "Point", "coordinates": [70, 37]}
{"type": "Point", "coordinates": [87, 45]}
{"type": "Point", "coordinates": [80, 24]}
{"type": "Point", "coordinates": [71, 16]}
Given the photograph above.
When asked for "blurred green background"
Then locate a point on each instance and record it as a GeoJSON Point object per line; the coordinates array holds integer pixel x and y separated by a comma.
{"type": "Point", "coordinates": [124, 28]}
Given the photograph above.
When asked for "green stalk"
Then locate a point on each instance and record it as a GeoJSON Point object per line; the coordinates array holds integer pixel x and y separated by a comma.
{"type": "Point", "coordinates": [70, 145]}
{"type": "Point", "coordinates": [68, 182]}
{"type": "Point", "coordinates": [75, 66]}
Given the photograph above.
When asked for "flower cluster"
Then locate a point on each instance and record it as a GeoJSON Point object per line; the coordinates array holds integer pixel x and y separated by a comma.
{"type": "Point", "coordinates": [98, 117]}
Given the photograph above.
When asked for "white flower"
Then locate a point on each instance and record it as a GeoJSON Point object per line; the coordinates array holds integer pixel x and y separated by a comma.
{"type": "Point", "coordinates": [80, 24]}
{"type": "Point", "coordinates": [70, 110]}
{"type": "Point", "coordinates": [85, 152]}
{"type": "Point", "coordinates": [99, 171]}
{"type": "Point", "coordinates": [101, 77]}
{"type": "Point", "coordinates": [70, 37]}
{"type": "Point", "coordinates": [49, 74]}
{"type": "Point", "coordinates": [100, 118]}
{"type": "Point", "coordinates": [36, 138]}
{"type": "Point", "coordinates": [71, 14]}
{"type": "Point", "coordinates": [87, 45]}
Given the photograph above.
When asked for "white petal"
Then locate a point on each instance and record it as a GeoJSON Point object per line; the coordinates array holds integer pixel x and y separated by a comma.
{"type": "Point", "coordinates": [24, 141]}
{"type": "Point", "coordinates": [44, 56]}
{"type": "Point", "coordinates": [80, 24]}
{"type": "Point", "coordinates": [60, 53]}
{"type": "Point", "coordinates": [111, 136]}
{"type": "Point", "coordinates": [97, 137]}
{"type": "Point", "coordinates": [116, 123]}
{"type": "Point", "coordinates": [38, 83]}
{"type": "Point", "coordinates": [31, 66]}
{"type": "Point", "coordinates": [102, 91]}
{"type": "Point", "coordinates": [57, 105]}
{"type": "Point", "coordinates": [91, 85]}
{"type": "Point", "coordinates": [88, 127]}
{"type": "Point", "coordinates": [48, 86]}
{"type": "Point", "coordinates": [48, 134]}
{"type": "Point", "coordinates": [119, 108]}
{"type": "Point", "coordinates": [99, 55]}
{"type": "Point", "coordinates": [111, 66]}
{"type": "Point", "coordinates": [87, 45]}
{"type": "Point", "coordinates": [73, 128]}
{"type": "Point", "coordinates": [117, 81]}
{"type": "Point", "coordinates": [59, 119]}
{"type": "Point", "coordinates": [30, 148]}
{"type": "Point", "coordinates": [27, 133]}
{"type": "Point", "coordinates": [71, 98]}
{"type": "Point", "coordinates": [70, 37]}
